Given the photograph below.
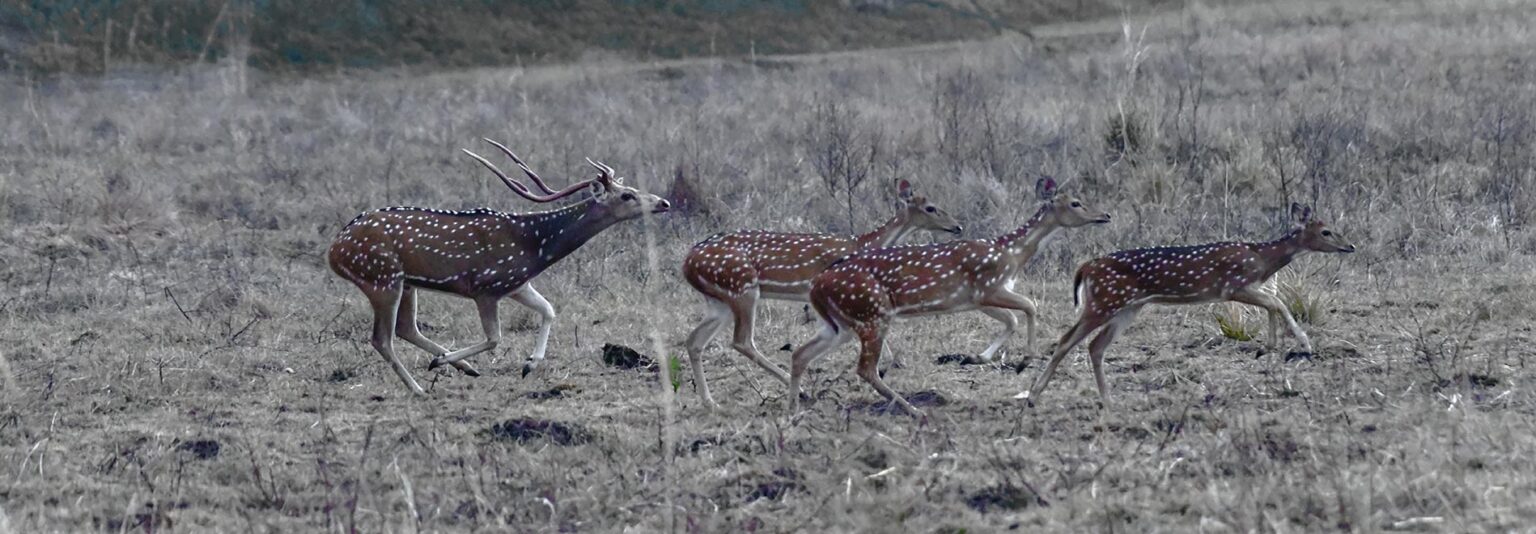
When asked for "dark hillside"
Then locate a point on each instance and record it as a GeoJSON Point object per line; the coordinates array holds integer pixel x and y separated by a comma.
{"type": "Point", "coordinates": [300, 36]}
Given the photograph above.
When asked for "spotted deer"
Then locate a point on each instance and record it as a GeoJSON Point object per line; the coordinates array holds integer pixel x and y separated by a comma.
{"type": "Point", "coordinates": [483, 255]}
{"type": "Point", "coordinates": [1111, 290]}
{"type": "Point", "coordinates": [861, 294]}
{"type": "Point", "coordinates": [735, 270]}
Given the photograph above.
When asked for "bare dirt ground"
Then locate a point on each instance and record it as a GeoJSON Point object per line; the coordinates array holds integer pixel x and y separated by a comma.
{"type": "Point", "coordinates": [176, 356]}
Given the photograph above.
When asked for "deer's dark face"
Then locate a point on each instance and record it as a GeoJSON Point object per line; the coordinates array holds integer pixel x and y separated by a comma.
{"type": "Point", "coordinates": [1319, 237]}
{"type": "Point", "coordinates": [1072, 212]}
{"type": "Point", "coordinates": [626, 202]}
{"type": "Point", "coordinates": [926, 216]}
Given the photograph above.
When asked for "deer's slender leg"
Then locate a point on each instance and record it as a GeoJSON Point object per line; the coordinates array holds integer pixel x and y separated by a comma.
{"type": "Point", "coordinates": [996, 306]}
{"type": "Point", "coordinates": [1010, 323]}
{"type": "Point", "coordinates": [386, 305]}
{"type": "Point", "coordinates": [744, 307]}
{"type": "Point", "coordinates": [714, 320]}
{"type": "Point", "coordinates": [530, 297]}
{"type": "Point", "coordinates": [830, 337]}
{"type": "Point", "coordinates": [1270, 287]}
{"type": "Point", "coordinates": [1274, 329]}
{"type": "Point", "coordinates": [405, 327]}
{"type": "Point", "coordinates": [1089, 322]}
{"type": "Point", "coordinates": [1102, 341]}
{"type": "Point", "coordinates": [1273, 305]}
{"type": "Point", "coordinates": [872, 341]}
{"type": "Point", "coordinates": [488, 322]}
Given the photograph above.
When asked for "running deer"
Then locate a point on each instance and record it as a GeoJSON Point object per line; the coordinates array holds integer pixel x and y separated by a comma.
{"type": "Point", "coordinates": [482, 255]}
{"type": "Point", "coordinates": [735, 270]}
{"type": "Point", "coordinates": [1110, 290]}
{"type": "Point", "coordinates": [861, 294]}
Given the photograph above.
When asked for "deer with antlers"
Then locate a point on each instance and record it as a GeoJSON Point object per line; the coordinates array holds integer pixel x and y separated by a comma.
{"type": "Point", "coordinates": [1112, 289]}
{"type": "Point", "coordinates": [735, 270]}
{"type": "Point", "coordinates": [861, 294]}
{"type": "Point", "coordinates": [482, 255]}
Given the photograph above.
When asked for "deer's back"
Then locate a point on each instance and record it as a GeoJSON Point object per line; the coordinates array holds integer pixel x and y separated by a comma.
{"type": "Point", "coordinates": [918, 279]}
{"type": "Point", "coordinates": [1174, 274]}
{"type": "Point", "coordinates": [734, 261]}
{"type": "Point", "coordinates": [453, 251]}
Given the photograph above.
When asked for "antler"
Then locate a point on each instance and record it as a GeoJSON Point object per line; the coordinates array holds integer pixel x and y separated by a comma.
{"type": "Point", "coordinates": [522, 189]}
{"type": "Point", "coordinates": [607, 172]}
{"type": "Point", "coordinates": [531, 175]}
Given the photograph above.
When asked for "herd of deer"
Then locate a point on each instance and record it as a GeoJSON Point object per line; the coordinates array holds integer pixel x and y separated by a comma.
{"type": "Point", "coordinates": [856, 284]}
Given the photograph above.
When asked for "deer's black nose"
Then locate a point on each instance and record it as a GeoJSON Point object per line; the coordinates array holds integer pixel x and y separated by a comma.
{"type": "Point", "coordinates": [662, 205]}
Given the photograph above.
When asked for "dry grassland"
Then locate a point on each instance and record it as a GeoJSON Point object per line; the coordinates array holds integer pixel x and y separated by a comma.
{"type": "Point", "coordinates": [176, 355]}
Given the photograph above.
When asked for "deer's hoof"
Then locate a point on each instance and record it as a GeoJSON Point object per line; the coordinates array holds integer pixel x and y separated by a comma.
{"type": "Point", "coordinates": [470, 372]}
{"type": "Point", "coordinates": [436, 362]}
{"type": "Point", "coordinates": [1303, 354]}
{"type": "Point", "coordinates": [527, 368]}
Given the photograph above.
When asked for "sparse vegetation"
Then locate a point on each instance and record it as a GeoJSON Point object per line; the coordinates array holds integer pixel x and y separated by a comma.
{"type": "Point", "coordinates": [1235, 322]}
{"type": "Point", "coordinates": [177, 355]}
{"type": "Point", "coordinates": [675, 372]}
{"type": "Point", "coordinates": [843, 150]}
{"type": "Point", "coordinates": [1307, 303]}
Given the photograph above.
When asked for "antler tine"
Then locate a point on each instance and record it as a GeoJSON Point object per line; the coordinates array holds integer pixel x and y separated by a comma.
{"type": "Point", "coordinates": [504, 178]}
{"type": "Point", "coordinates": [606, 170]}
{"type": "Point", "coordinates": [524, 166]}
{"type": "Point", "coordinates": [522, 190]}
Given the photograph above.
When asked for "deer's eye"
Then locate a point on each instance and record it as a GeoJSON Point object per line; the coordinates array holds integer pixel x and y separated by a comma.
{"type": "Point", "coordinates": [627, 196]}
{"type": "Point", "coordinates": [1327, 233]}
{"type": "Point", "coordinates": [929, 209]}
{"type": "Point", "coordinates": [1077, 204]}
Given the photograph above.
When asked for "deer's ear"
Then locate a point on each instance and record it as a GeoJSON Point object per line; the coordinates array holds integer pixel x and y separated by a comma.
{"type": "Point", "coordinates": [904, 189]}
{"type": "Point", "coordinates": [1046, 188]}
{"type": "Point", "coordinates": [597, 188]}
{"type": "Point", "coordinates": [1301, 214]}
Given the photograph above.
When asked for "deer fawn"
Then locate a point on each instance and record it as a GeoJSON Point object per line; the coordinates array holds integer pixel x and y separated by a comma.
{"type": "Point", "coordinates": [1112, 289]}
{"type": "Point", "coordinates": [482, 255]}
{"type": "Point", "coordinates": [735, 270]}
{"type": "Point", "coordinates": [864, 292]}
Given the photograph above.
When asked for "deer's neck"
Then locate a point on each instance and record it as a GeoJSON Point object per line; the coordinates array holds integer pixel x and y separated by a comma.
{"type": "Point", "coordinates": [1280, 252]}
{"type": "Point", "coordinates": [1024, 241]}
{"type": "Point", "coordinates": [888, 234]}
{"type": "Point", "coordinates": [551, 235]}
